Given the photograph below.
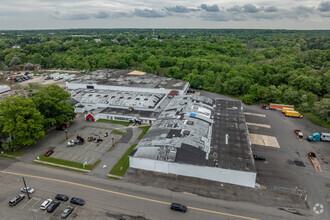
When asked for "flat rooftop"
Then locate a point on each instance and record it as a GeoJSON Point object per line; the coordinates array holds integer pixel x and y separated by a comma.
{"type": "Point", "coordinates": [181, 133]}
{"type": "Point", "coordinates": [200, 131]}
{"type": "Point", "coordinates": [117, 98]}
{"type": "Point", "coordinates": [230, 143]}
{"type": "Point", "coordinates": [129, 78]}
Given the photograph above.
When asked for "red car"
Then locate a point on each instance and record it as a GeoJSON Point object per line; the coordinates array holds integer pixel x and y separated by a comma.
{"type": "Point", "coordinates": [49, 152]}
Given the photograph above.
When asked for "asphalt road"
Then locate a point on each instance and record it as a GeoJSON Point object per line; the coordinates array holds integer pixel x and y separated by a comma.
{"type": "Point", "coordinates": [113, 199]}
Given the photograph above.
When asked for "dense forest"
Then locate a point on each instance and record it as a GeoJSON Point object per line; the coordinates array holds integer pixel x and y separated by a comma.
{"type": "Point", "coordinates": [281, 66]}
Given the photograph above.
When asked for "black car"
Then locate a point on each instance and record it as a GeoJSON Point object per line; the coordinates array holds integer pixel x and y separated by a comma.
{"type": "Point", "coordinates": [258, 157]}
{"type": "Point", "coordinates": [61, 197]}
{"type": "Point", "coordinates": [77, 201]}
{"type": "Point", "coordinates": [178, 207]}
{"type": "Point", "coordinates": [67, 212]}
{"type": "Point", "coordinates": [53, 205]}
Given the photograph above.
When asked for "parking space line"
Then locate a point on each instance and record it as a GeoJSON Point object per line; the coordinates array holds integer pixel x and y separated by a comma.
{"type": "Point", "coordinates": [33, 198]}
{"type": "Point", "coordinates": [30, 209]}
{"type": "Point", "coordinates": [258, 125]}
{"type": "Point", "coordinates": [57, 209]}
{"type": "Point", "coordinates": [74, 157]}
{"type": "Point", "coordinates": [254, 114]}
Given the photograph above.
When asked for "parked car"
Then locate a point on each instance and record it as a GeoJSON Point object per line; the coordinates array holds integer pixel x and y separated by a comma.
{"type": "Point", "coordinates": [67, 212]}
{"type": "Point", "coordinates": [61, 197]}
{"type": "Point", "coordinates": [29, 189]}
{"type": "Point", "coordinates": [16, 200]}
{"type": "Point", "coordinates": [52, 206]}
{"type": "Point", "coordinates": [49, 152]}
{"type": "Point", "coordinates": [178, 207]}
{"type": "Point", "coordinates": [45, 204]}
{"type": "Point", "coordinates": [258, 157]}
{"type": "Point", "coordinates": [77, 201]}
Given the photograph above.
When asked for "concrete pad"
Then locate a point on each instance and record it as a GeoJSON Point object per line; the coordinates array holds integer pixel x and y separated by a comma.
{"type": "Point", "coordinates": [255, 114]}
{"type": "Point", "coordinates": [258, 125]}
{"type": "Point", "coordinates": [264, 140]}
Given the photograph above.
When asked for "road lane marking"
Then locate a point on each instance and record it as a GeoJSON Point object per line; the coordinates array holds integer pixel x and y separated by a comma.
{"type": "Point", "coordinates": [258, 125]}
{"type": "Point", "coordinates": [126, 195]}
{"type": "Point", "coordinates": [254, 114]}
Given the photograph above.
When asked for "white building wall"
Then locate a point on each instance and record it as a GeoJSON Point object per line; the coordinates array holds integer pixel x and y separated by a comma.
{"type": "Point", "coordinates": [211, 173]}
{"type": "Point", "coordinates": [73, 85]}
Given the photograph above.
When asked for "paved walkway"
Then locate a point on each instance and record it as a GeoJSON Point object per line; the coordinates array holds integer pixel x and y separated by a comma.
{"type": "Point", "coordinates": [60, 165]}
{"type": "Point", "coordinates": [110, 158]}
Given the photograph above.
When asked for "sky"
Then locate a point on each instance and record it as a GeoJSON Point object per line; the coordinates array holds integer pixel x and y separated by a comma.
{"type": "Point", "coordinates": [251, 14]}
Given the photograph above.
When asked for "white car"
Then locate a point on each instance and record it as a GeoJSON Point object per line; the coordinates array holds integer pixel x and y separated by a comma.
{"type": "Point", "coordinates": [29, 189]}
{"type": "Point", "coordinates": [45, 204]}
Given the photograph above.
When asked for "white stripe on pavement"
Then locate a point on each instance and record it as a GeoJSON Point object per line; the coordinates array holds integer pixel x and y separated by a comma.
{"type": "Point", "coordinates": [258, 125]}
{"type": "Point", "coordinates": [255, 114]}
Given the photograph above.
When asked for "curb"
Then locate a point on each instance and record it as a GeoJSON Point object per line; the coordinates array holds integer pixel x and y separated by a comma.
{"type": "Point", "coordinates": [110, 175]}
{"type": "Point", "coordinates": [59, 165]}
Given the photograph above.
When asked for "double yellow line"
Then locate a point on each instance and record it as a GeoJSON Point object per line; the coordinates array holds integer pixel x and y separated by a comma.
{"type": "Point", "coordinates": [124, 194]}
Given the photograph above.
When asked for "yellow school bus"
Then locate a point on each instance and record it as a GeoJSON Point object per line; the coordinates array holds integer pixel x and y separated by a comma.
{"type": "Point", "coordinates": [293, 114]}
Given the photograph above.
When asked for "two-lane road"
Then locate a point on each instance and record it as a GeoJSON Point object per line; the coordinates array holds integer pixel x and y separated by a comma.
{"type": "Point", "coordinates": [114, 199]}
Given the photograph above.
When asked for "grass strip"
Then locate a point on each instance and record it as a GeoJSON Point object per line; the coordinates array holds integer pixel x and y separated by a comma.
{"type": "Point", "coordinates": [64, 168]}
{"type": "Point", "coordinates": [318, 121]}
{"type": "Point", "coordinates": [122, 165]}
{"type": "Point", "coordinates": [118, 132]}
{"type": "Point", "coordinates": [126, 123]}
{"type": "Point", "coordinates": [144, 131]}
{"type": "Point", "coordinates": [16, 153]}
{"type": "Point", "coordinates": [6, 156]}
{"type": "Point", "coordinates": [68, 163]}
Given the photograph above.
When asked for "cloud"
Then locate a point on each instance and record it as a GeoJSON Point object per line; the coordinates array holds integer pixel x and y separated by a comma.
{"type": "Point", "coordinates": [249, 8]}
{"type": "Point", "coordinates": [149, 13]}
{"type": "Point", "coordinates": [211, 8]}
{"type": "Point", "coordinates": [180, 9]}
{"type": "Point", "coordinates": [235, 8]}
{"type": "Point", "coordinates": [101, 15]}
{"type": "Point", "coordinates": [324, 7]}
{"type": "Point", "coordinates": [70, 16]}
{"type": "Point", "coordinates": [302, 11]}
{"type": "Point", "coordinates": [271, 9]}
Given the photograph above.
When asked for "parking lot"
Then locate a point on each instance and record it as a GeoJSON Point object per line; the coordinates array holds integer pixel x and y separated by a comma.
{"type": "Point", "coordinates": [88, 152]}
{"type": "Point", "coordinates": [32, 207]}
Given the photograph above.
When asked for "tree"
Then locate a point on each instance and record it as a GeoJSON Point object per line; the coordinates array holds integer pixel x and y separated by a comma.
{"type": "Point", "coordinates": [52, 102]}
{"type": "Point", "coordinates": [322, 109]}
{"type": "Point", "coordinates": [20, 121]}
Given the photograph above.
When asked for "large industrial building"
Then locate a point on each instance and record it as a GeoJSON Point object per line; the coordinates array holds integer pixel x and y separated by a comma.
{"type": "Point", "coordinates": [123, 95]}
{"type": "Point", "coordinates": [190, 135]}
{"type": "Point", "coordinates": [199, 137]}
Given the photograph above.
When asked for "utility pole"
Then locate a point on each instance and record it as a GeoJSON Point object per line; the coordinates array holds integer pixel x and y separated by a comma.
{"type": "Point", "coordinates": [27, 191]}
{"type": "Point", "coordinates": [113, 141]}
{"type": "Point", "coordinates": [66, 134]}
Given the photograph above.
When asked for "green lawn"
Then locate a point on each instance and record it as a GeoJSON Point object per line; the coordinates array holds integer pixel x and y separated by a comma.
{"type": "Point", "coordinates": [145, 129]}
{"type": "Point", "coordinates": [118, 132]}
{"type": "Point", "coordinates": [9, 157]}
{"type": "Point", "coordinates": [122, 165]}
{"type": "Point", "coordinates": [68, 163]}
{"type": "Point", "coordinates": [126, 123]}
{"type": "Point", "coordinates": [315, 119]}
{"type": "Point", "coordinates": [16, 154]}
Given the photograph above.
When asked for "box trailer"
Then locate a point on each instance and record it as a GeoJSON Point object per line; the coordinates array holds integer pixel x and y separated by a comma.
{"type": "Point", "coordinates": [293, 114]}
{"type": "Point", "coordinates": [279, 106]}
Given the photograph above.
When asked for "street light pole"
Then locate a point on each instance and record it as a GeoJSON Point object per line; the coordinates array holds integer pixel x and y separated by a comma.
{"type": "Point", "coordinates": [27, 191]}
{"type": "Point", "coordinates": [66, 134]}
{"type": "Point", "coordinates": [113, 141]}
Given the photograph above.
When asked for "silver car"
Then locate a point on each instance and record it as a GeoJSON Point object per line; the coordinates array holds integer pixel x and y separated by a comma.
{"type": "Point", "coordinates": [29, 189]}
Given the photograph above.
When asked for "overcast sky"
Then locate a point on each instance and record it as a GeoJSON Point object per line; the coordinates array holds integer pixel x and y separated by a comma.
{"type": "Point", "coordinates": [254, 14]}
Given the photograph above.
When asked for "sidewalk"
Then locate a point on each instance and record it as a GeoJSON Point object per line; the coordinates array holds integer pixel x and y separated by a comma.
{"type": "Point", "coordinates": [63, 166]}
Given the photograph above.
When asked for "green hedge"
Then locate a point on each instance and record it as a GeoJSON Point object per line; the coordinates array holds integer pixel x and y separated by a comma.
{"type": "Point", "coordinates": [126, 123]}
{"type": "Point", "coordinates": [118, 132]}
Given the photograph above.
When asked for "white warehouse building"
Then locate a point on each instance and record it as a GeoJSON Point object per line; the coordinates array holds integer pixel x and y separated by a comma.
{"type": "Point", "coordinates": [199, 137]}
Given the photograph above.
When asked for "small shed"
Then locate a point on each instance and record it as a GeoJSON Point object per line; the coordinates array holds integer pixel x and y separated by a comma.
{"type": "Point", "coordinates": [90, 117]}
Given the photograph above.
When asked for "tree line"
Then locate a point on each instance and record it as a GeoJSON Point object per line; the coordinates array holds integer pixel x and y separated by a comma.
{"type": "Point", "coordinates": [283, 66]}
{"type": "Point", "coordinates": [24, 120]}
